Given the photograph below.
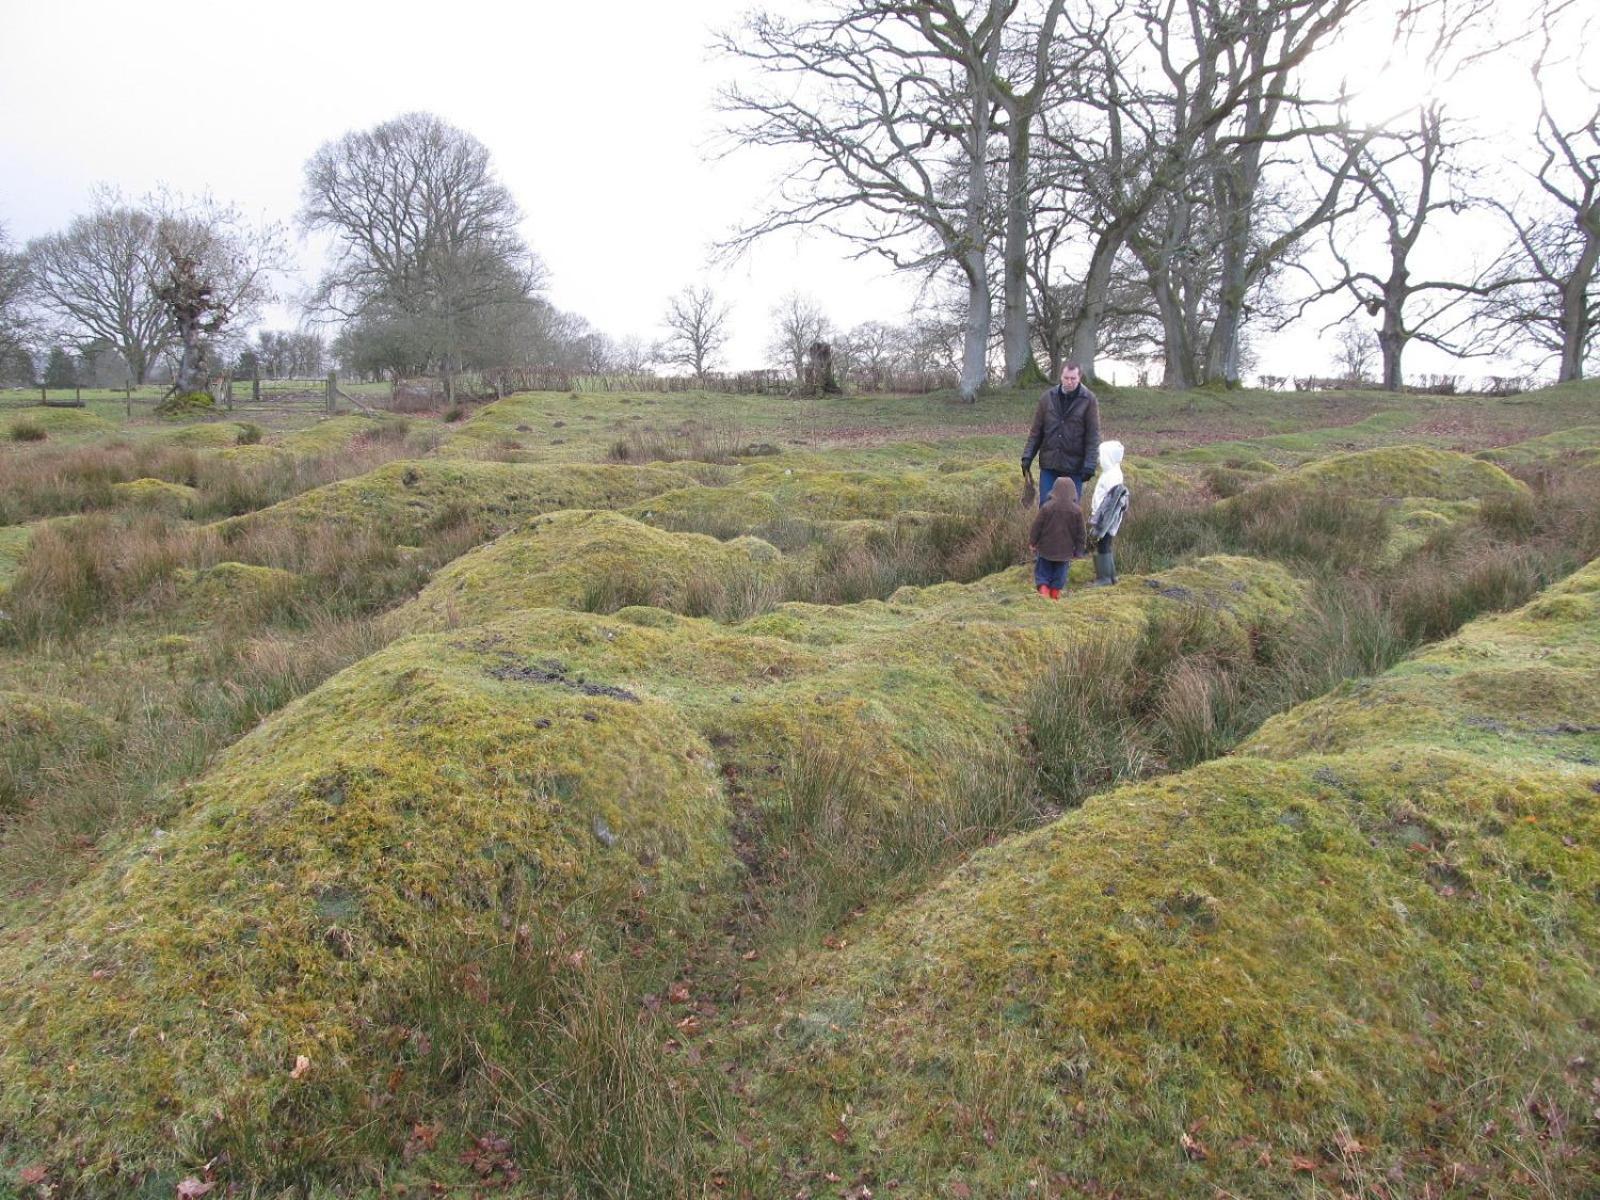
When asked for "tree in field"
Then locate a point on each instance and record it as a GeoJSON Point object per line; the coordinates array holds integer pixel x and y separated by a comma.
{"type": "Point", "coordinates": [631, 355]}
{"type": "Point", "coordinates": [798, 322]}
{"type": "Point", "coordinates": [213, 272]}
{"type": "Point", "coordinates": [1354, 349]}
{"type": "Point", "coordinates": [697, 330]}
{"type": "Point", "coordinates": [429, 270]}
{"type": "Point", "coordinates": [889, 109]}
{"type": "Point", "coordinates": [1547, 285]}
{"type": "Point", "coordinates": [13, 295]}
{"type": "Point", "coordinates": [98, 279]}
{"type": "Point", "coordinates": [59, 369]}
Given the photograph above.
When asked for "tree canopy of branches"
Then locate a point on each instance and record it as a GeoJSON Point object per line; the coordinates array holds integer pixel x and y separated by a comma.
{"type": "Point", "coordinates": [98, 279]}
{"type": "Point", "coordinates": [1545, 287]}
{"type": "Point", "coordinates": [798, 322]}
{"type": "Point", "coordinates": [214, 270]}
{"type": "Point", "coordinates": [888, 109]}
{"type": "Point", "coordinates": [429, 270]}
{"type": "Point", "coordinates": [697, 330]}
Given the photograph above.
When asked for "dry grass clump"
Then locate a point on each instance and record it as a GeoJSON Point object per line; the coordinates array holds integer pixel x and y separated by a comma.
{"type": "Point", "coordinates": [80, 479]}
{"type": "Point", "coordinates": [694, 440]}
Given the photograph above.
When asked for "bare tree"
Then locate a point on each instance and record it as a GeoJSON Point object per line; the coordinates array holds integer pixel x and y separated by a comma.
{"type": "Point", "coordinates": [429, 263]}
{"type": "Point", "coordinates": [889, 107]}
{"type": "Point", "coordinates": [1355, 348]}
{"type": "Point", "coordinates": [13, 292]}
{"type": "Point", "coordinates": [632, 355]}
{"type": "Point", "coordinates": [97, 279]}
{"type": "Point", "coordinates": [1545, 284]}
{"type": "Point", "coordinates": [697, 330]}
{"type": "Point", "coordinates": [798, 323]}
{"type": "Point", "coordinates": [1408, 179]}
{"type": "Point", "coordinates": [214, 270]}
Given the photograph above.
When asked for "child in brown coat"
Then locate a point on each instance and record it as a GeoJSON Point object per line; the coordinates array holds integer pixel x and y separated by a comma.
{"type": "Point", "coordinates": [1058, 536]}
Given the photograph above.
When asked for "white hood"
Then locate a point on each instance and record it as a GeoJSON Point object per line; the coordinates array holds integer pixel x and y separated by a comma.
{"type": "Point", "coordinates": [1110, 473]}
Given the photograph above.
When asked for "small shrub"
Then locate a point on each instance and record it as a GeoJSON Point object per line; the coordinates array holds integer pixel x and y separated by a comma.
{"type": "Point", "coordinates": [28, 431]}
{"type": "Point", "coordinates": [250, 434]}
{"type": "Point", "coordinates": [456, 412]}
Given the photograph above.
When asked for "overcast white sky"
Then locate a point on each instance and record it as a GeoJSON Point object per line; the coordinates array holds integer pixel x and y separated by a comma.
{"type": "Point", "coordinates": [599, 119]}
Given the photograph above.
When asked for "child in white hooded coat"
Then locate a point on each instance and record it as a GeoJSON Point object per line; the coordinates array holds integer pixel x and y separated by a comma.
{"type": "Point", "coordinates": [1106, 510]}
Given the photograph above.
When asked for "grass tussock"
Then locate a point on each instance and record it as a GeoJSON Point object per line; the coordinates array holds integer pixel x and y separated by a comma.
{"type": "Point", "coordinates": [157, 717]}
{"type": "Point", "coordinates": [827, 849]}
{"type": "Point", "coordinates": [693, 440]}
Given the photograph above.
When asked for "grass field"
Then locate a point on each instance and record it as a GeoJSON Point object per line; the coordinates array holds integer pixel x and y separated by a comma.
{"type": "Point", "coordinates": [687, 795]}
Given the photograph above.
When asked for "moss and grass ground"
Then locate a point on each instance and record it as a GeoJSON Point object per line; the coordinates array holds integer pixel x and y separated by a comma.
{"type": "Point", "coordinates": [618, 741]}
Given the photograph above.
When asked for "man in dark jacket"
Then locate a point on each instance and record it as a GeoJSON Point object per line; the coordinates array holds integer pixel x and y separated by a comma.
{"type": "Point", "coordinates": [1065, 433]}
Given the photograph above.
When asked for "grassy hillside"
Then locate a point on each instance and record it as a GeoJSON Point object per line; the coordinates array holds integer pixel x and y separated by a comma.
{"type": "Point", "coordinates": [578, 798]}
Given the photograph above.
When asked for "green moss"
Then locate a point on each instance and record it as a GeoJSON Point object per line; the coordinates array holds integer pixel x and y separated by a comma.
{"type": "Point", "coordinates": [179, 405]}
{"type": "Point", "coordinates": [155, 494]}
{"type": "Point", "coordinates": [1293, 953]}
{"type": "Point", "coordinates": [577, 758]}
{"type": "Point", "coordinates": [1395, 472]}
{"type": "Point", "coordinates": [405, 500]}
{"type": "Point", "coordinates": [1512, 686]}
{"type": "Point", "coordinates": [1580, 444]}
{"type": "Point", "coordinates": [237, 591]}
{"type": "Point", "coordinates": [597, 561]}
{"type": "Point", "coordinates": [330, 434]}
{"type": "Point", "coordinates": [206, 435]}
{"type": "Point", "coordinates": [427, 791]}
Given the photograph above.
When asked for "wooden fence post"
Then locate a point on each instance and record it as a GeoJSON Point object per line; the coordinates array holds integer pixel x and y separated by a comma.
{"type": "Point", "coordinates": [127, 388]}
{"type": "Point", "coordinates": [255, 385]}
{"type": "Point", "coordinates": [333, 390]}
{"type": "Point", "coordinates": [227, 391]}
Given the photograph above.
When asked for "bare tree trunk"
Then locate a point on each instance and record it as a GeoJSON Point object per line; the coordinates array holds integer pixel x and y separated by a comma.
{"type": "Point", "coordinates": [1575, 316]}
{"type": "Point", "coordinates": [1175, 336]}
{"type": "Point", "coordinates": [1015, 336]}
{"type": "Point", "coordinates": [191, 376]}
{"type": "Point", "coordinates": [975, 345]}
{"type": "Point", "coordinates": [1096, 296]}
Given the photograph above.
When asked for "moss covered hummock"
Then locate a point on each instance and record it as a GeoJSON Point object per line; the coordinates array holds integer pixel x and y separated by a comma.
{"type": "Point", "coordinates": [1361, 948]}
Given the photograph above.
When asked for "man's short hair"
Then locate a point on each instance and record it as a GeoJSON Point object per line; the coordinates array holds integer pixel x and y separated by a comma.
{"type": "Point", "coordinates": [1072, 366]}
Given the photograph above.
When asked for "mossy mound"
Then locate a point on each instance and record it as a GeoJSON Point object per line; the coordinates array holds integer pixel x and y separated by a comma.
{"type": "Point", "coordinates": [207, 435]}
{"type": "Point", "coordinates": [596, 561]}
{"type": "Point", "coordinates": [1393, 473]}
{"type": "Point", "coordinates": [425, 795]}
{"type": "Point", "coordinates": [1580, 445]}
{"type": "Point", "coordinates": [236, 591]}
{"type": "Point", "coordinates": [1363, 947]}
{"type": "Point", "coordinates": [332, 434]}
{"type": "Point", "coordinates": [186, 404]}
{"type": "Point", "coordinates": [155, 494]}
{"type": "Point", "coordinates": [553, 758]}
{"type": "Point", "coordinates": [408, 499]}
{"type": "Point", "coordinates": [43, 733]}
{"type": "Point", "coordinates": [1518, 687]}
{"type": "Point", "coordinates": [56, 421]}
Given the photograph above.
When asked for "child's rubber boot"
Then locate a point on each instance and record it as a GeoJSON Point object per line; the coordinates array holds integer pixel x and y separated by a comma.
{"type": "Point", "coordinates": [1055, 593]}
{"type": "Point", "coordinates": [1105, 569]}
{"type": "Point", "coordinates": [1044, 591]}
